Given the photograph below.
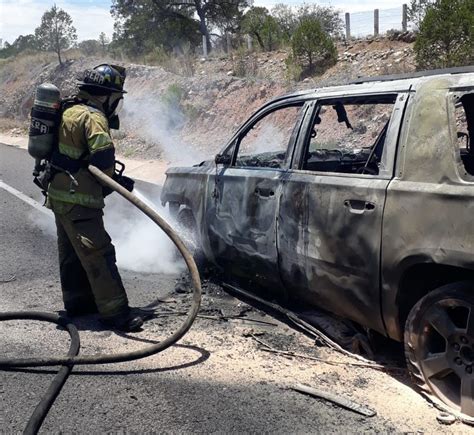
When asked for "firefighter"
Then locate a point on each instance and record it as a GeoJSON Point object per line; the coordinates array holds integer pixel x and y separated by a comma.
{"type": "Point", "coordinates": [90, 280]}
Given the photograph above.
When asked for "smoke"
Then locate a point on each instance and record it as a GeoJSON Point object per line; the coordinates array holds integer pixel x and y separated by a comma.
{"type": "Point", "coordinates": [159, 120]}
{"type": "Point", "coordinates": [267, 138]}
{"type": "Point", "coordinates": [43, 222]}
{"type": "Point", "coordinates": [160, 123]}
{"type": "Point", "coordinates": [141, 246]}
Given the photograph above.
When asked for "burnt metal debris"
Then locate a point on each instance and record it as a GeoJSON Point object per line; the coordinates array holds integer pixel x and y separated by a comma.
{"type": "Point", "coordinates": [361, 205]}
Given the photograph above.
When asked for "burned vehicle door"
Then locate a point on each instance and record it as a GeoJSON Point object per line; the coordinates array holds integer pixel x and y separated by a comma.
{"type": "Point", "coordinates": [331, 209]}
{"type": "Point", "coordinates": [243, 204]}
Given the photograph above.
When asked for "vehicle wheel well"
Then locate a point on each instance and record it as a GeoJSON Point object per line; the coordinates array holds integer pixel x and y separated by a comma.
{"type": "Point", "coordinates": [420, 279]}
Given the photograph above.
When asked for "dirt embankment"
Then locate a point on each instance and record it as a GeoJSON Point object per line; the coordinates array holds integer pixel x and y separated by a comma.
{"type": "Point", "coordinates": [168, 115]}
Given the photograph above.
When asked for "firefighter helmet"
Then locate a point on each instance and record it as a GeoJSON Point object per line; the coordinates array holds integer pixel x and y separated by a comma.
{"type": "Point", "coordinates": [104, 78]}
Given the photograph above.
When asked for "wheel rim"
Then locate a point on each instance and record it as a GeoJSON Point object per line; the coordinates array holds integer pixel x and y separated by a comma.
{"type": "Point", "coordinates": [446, 354]}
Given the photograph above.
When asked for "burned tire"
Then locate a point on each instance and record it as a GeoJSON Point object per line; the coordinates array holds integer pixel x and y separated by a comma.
{"type": "Point", "coordinates": [439, 347]}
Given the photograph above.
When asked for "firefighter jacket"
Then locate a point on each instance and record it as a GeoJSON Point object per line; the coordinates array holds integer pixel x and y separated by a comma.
{"type": "Point", "coordinates": [84, 138]}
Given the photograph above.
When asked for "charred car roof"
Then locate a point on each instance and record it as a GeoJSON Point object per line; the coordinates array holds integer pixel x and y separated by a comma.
{"type": "Point", "coordinates": [395, 83]}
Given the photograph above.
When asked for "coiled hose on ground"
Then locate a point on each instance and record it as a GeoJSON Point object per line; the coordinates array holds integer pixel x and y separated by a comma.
{"type": "Point", "coordinates": [72, 358]}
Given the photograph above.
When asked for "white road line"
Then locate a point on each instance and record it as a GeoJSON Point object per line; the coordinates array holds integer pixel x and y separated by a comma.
{"type": "Point", "coordinates": [27, 199]}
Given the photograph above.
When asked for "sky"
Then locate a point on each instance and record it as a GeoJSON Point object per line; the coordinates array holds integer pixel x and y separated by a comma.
{"type": "Point", "coordinates": [91, 17]}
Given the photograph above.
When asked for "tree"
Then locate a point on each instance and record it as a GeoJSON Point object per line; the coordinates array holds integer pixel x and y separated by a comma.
{"type": "Point", "coordinates": [103, 41]}
{"type": "Point", "coordinates": [22, 43]}
{"type": "Point", "coordinates": [89, 47]}
{"type": "Point", "coordinates": [259, 23]}
{"type": "Point", "coordinates": [56, 31]}
{"type": "Point", "coordinates": [287, 20]}
{"type": "Point", "coordinates": [446, 36]}
{"type": "Point", "coordinates": [417, 11]}
{"type": "Point", "coordinates": [176, 15]}
{"type": "Point", "coordinates": [312, 45]}
{"type": "Point", "coordinates": [328, 17]}
{"type": "Point", "coordinates": [140, 27]}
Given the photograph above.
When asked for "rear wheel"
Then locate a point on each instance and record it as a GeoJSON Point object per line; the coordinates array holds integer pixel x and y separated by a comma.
{"type": "Point", "coordinates": [439, 346]}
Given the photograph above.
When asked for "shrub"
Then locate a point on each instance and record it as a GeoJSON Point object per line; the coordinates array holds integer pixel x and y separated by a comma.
{"type": "Point", "coordinates": [312, 47]}
{"type": "Point", "coordinates": [258, 23]}
{"type": "Point", "coordinates": [417, 11]}
{"type": "Point", "coordinates": [293, 69]}
{"type": "Point", "coordinates": [173, 95]}
{"type": "Point", "coordinates": [244, 64]}
{"type": "Point", "coordinates": [446, 36]}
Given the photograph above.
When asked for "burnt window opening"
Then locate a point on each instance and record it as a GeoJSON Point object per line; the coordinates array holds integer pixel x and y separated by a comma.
{"type": "Point", "coordinates": [464, 118]}
{"type": "Point", "coordinates": [348, 136]}
{"type": "Point", "coordinates": [265, 144]}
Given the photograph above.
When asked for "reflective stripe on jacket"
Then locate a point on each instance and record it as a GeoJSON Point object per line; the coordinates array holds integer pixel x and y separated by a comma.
{"type": "Point", "coordinates": [83, 134]}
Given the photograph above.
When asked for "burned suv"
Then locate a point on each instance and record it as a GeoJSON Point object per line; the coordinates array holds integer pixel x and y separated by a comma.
{"type": "Point", "coordinates": [358, 199]}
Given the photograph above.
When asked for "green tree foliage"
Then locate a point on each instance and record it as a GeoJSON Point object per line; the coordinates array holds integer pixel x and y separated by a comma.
{"type": "Point", "coordinates": [141, 26]}
{"type": "Point", "coordinates": [417, 11]}
{"type": "Point", "coordinates": [312, 46]}
{"type": "Point", "coordinates": [22, 43]}
{"type": "Point", "coordinates": [225, 15]}
{"type": "Point", "coordinates": [103, 41]}
{"type": "Point", "coordinates": [327, 16]}
{"type": "Point", "coordinates": [168, 23]}
{"type": "Point", "coordinates": [287, 20]}
{"type": "Point", "coordinates": [446, 36]}
{"type": "Point", "coordinates": [258, 23]}
{"type": "Point", "coordinates": [90, 47]}
{"type": "Point", "coordinates": [56, 32]}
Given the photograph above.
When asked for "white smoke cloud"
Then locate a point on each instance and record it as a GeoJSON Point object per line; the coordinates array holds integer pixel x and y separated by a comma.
{"type": "Point", "coordinates": [141, 246]}
{"type": "Point", "coordinates": [43, 222]}
{"type": "Point", "coordinates": [160, 124]}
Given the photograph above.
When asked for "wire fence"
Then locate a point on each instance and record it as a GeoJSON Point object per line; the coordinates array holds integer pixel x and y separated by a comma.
{"type": "Point", "coordinates": [362, 23]}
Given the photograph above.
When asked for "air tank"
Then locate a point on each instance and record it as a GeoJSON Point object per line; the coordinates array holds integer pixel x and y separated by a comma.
{"type": "Point", "coordinates": [45, 119]}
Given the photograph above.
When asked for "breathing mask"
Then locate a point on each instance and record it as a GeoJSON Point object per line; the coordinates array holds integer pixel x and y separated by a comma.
{"type": "Point", "coordinates": [112, 108]}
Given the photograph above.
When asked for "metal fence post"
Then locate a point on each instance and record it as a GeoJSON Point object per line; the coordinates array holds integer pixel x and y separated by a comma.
{"type": "Point", "coordinates": [376, 22]}
{"type": "Point", "coordinates": [348, 25]}
{"type": "Point", "coordinates": [405, 17]}
{"type": "Point", "coordinates": [204, 45]}
{"type": "Point", "coordinates": [228, 43]}
{"type": "Point", "coordinates": [249, 43]}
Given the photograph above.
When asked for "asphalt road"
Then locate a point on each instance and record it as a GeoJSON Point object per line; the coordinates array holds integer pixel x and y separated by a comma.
{"type": "Point", "coordinates": [193, 387]}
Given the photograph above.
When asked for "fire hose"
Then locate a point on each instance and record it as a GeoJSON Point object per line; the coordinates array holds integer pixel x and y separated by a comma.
{"type": "Point", "coordinates": [73, 358]}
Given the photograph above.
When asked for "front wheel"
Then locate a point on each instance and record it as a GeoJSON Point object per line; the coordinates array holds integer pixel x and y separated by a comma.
{"type": "Point", "coordinates": [439, 346]}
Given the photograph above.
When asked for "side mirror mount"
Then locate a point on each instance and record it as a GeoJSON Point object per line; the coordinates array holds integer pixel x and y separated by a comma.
{"type": "Point", "coordinates": [223, 159]}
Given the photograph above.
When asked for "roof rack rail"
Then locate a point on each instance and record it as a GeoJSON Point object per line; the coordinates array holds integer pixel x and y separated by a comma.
{"type": "Point", "coordinates": [434, 72]}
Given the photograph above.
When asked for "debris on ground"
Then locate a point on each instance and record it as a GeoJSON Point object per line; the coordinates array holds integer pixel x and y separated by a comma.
{"type": "Point", "coordinates": [12, 278]}
{"type": "Point", "coordinates": [339, 400]}
{"type": "Point", "coordinates": [446, 418]}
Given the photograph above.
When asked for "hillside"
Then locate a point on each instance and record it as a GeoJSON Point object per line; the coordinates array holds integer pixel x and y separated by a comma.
{"type": "Point", "coordinates": [187, 118]}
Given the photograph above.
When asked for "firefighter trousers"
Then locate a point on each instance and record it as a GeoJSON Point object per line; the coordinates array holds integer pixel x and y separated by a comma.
{"type": "Point", "coordinates": [88, 270]}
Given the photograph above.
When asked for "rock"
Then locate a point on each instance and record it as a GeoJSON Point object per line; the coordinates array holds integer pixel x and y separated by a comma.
{"type": "Point", "coordinates": [230, 73]}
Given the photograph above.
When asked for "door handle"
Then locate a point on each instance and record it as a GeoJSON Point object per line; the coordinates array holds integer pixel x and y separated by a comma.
{"type": "Point", "coordinates": [265, 192]}
{"type": "Point", "coordinates": [357, 206]}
